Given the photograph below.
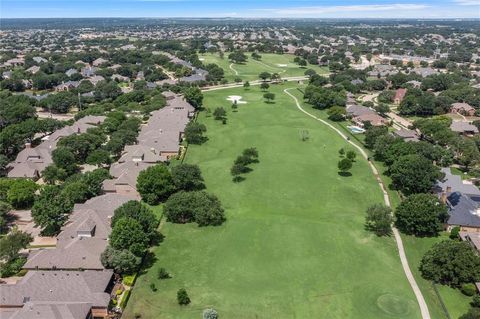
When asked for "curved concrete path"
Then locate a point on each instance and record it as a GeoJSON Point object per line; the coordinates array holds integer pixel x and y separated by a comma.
{"type": "Point", "coordinates": [403, 258]}
{"type": "Point", "coordinates": [231, 68]}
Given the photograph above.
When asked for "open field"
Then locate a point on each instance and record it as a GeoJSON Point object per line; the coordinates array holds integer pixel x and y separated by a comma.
{"type": "Point", "coordinates": [294, 244]}
{"type": "Point", "coordinates": [455, 302]}
{"type": "Point", "coordinates": [273, 63]}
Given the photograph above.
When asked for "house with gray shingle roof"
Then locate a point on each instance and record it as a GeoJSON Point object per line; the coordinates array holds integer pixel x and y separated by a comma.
{"type": "Point", "coordinates": [462, 199]}
{"type": "Point", "coordinates": [30, 162]}
{"type": "Point", "coordinates": [83, 238]}
{"type": "Point", "coordinates": [57, 295]}
{"type": "Point", "coordinates": [463, 128]}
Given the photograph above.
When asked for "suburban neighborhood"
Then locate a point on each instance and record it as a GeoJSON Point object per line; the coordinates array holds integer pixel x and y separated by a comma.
{"type": "Point", "coordinates": [240, 168]}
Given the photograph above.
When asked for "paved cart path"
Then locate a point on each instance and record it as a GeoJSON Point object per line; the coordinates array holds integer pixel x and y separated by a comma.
{"type": "Point", "coordinates": [398, 238]}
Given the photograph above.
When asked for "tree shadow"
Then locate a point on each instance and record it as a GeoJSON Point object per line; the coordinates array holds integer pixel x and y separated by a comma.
{"type": "Point", "coordinates": [157, 238]}
{"type": "Point", "coordinates": [148, 261]}
{"type": "Point", "coordinates": [345, 174]}
{"type": "Point", "coordinates": [238, 179]}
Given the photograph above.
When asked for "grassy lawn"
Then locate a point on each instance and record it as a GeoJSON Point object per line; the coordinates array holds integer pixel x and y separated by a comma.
{"type": "Point", "coordinates": [273, 63]}
{"type": "Point", "coordinates": [455, 302]}
{"type": "Point", "coordinates": [294, 244]}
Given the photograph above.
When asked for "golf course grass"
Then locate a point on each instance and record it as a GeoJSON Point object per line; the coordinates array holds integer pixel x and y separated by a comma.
{"type": "Point", "coordinates": [294, 244]}
{"type": "Point", "coordinates": [273, 63]}
{"type": "Point", "coordinates": [415, 247]}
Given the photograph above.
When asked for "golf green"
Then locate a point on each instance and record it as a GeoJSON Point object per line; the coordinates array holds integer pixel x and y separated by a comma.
{"type": "Point", "coordinates": [294, 244]}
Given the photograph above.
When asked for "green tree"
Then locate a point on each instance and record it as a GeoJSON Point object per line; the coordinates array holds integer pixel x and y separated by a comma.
{"type": "Point", "coordinates": [194, 133]}
{"type": "Point", "coordinates": [199, 206]}
{"type": "Point", "coordinates": [219, 113]}
{"type": "Point", "coordinates": [21, 193]}
{"type": "Point", "coordinates": [451, 263]}
{"type": "Point", "coordinates": [336, 113]}
{"type": "Point", "coordinates": [5, 209]}
{"type": "Point", "coordinates": [141, 213]}
{"type": "Point", "coordinates": [264, 86]}
{"type": "Point", "coordinates": [246, 85]}
{"type": "Point", "coordinates": [99, 157]}
{"type": "Point", "coordinates": [51, 174]}
{"type": "Point", "coordinates": [264, 76]}
{"type": "Point", "coordinates": [187, 177]}
{"type": "Point", "coordinates": [344, 165]}
{"type": "Point", "coordinates": [379, 220]}
{"type": "Point", "coordinates": [473, 313]}
{"type": "Point", "coordinates": [194, 96]}
{"type": "Point", "coordinates": [51, 210]}
{"type": "Point", "coordinates": [128, 234]}
{"type": "Point", "coordinates": [182, 297]}
{"type": "Point", "coordinates": [414, 174]}
{"type": "Point", "coordinates": [122, 261]}
{"type": "Point", "coordinates": [421, 215]}
{"type": "Point", "coordinates": [76, 192]}
{"type": "Point", "coordinates": [269, 97]}
{"type": "Point", "coordinates": [64, 158]}
{"type": "Point", "coordinates": [351, 155]}
{"type": "Point", "coordinates": [237, 57]}
{"type": "Point", "coordinates": [155, 184]}
{"type": "Point", "coordinates": [12, 243]}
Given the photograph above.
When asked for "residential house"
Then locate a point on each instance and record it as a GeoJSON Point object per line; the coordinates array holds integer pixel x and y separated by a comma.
{"type": "Point", "coordinates": [463, 108]}
{"type": "Point", "coordinates": [30, 162]}
{"type": "Point", "coordinates": [33, 69]}
{"type": "Point", "coordinates": [71, 72]}
{"type": "Point", "coordinates": [464, 128]}
{"type": "Point", "coordinates": [88, 71]}
{"type": "Point", "coordinates": [99, 62]}
{"type": "Point", "coordinates": [96, 79]}
{"type": "Point", "coordinates": [15, 62]}
{"type": "Point", "coordinates": [424, 72]}
{"type": "Point", "coordinates": [360, 115]}
{"type": "Point", "coordinates": [120, 78]}
{"type": "Point", "coordinates": [462, 199]}
{"type": "Point", "coordinates": [67, 86]}
{"type": "Point", "coordinates": [57, 295]}
{"type": "Point", "coordinates": [39, 59]}
{"type": "Point", "coordinates": [407, 135]}
{"type": "Point", "coordinates": [82, 239]}
{"type": "Point", "coordinates": [158, 141]}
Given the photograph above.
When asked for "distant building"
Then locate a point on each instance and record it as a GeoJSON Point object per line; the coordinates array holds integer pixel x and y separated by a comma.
{"type": "Point", "coordinates": [463, 108]}
{"type": "Point", "coordinates": [464, 128]}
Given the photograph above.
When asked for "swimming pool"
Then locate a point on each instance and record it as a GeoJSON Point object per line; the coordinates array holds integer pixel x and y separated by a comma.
{"type": "Point", "coordinates": [356, 129]}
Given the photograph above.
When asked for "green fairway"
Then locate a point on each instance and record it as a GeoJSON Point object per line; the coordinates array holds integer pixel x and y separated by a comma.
{"type": "Point", "coordinates": [415, 247]}
{"type": "Point", "coordinates": [273, 63]}
{"type": "Point", "coordinates": [294, 245]}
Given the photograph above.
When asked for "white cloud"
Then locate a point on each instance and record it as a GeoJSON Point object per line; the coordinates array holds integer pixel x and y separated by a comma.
{"type": "Point", "coordinates": [317, 10]}
{"type": "Point", "coordinates": [467, 2]}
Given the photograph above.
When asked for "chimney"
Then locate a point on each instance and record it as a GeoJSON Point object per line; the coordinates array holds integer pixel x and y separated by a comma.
{"type": "Point", "coordinates": [153, 150]}
{"type": "Point", "coordinates": [28, 145]}
{"type": "Point", "coordinates": [449, 189]}
{"type": "Point", "coordinates": [443, 198]}
{"type": "Point", "coordinates": [78, 130]}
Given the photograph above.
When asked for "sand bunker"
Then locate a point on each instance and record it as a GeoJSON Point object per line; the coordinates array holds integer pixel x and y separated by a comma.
{"type": "Point", "coordinates": [237, 98]}
{"type": "Point", "coordinates": [282, 65]}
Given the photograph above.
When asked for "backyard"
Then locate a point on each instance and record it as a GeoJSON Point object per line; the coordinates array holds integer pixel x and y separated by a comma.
{"type": "Point", "coordinates": [294, 244]}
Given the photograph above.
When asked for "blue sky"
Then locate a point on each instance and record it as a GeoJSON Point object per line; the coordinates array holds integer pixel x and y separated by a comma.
{"type": "Point", "coordinates": [243, 8]}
